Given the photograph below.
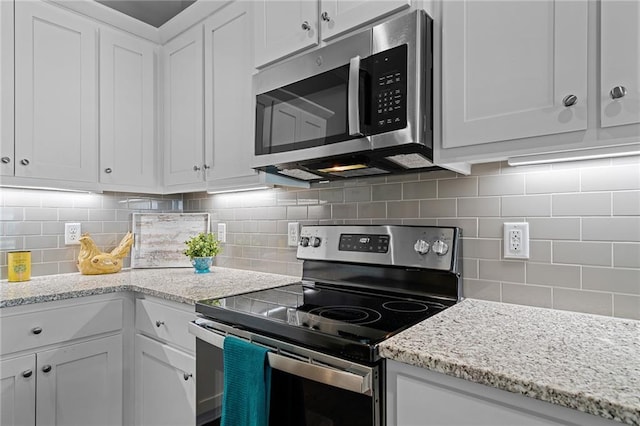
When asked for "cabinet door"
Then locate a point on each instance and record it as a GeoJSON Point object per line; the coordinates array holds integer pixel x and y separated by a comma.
{"type": "Point", "coordinates": [18, 391]}
{"type": "Point", "coordinates": [55, 93]}
{"type": "Point", "coordinates": [508, 65]}
{"type": "Point", "coordinates": [283, 28]}
{"type": "Point", "coordinates": [7, 159]}
{"type": "Point", "coordinates": [228, 96]}
{"type": "Point", "coordinates": [127, 82]}
{"type": "Point", "coordinates": [620, 62]}
{"type": "Point", "coordinates": [338, 16]}
{"type": "Point", "coordinates": [183, 109]}
{"type": "Point", "coordinates": [165, 384]}
{"type": "Point", "coordinates": [81, 384]}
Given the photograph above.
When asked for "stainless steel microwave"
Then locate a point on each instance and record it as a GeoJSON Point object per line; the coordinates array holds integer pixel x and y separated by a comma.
{"type": "Point", "coordinates": [361, 106]}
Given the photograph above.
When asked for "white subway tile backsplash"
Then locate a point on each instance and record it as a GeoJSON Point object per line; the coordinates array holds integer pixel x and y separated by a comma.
{"type": "Point", "coordinates": [611, 178]}
{"type": "Point", "coordinates": [386, 192]}
{"type": "Point", "coordinates": [553, 275]}
{"type": "Point", "coordinates": [12, 213]}
{"type": "Point", "coordinates": [469, 268]}
{"type": "Point", "coordinates": [501, 185]}
{"type": "Point", "coordinates": [481, 289]}
{"type": "Point", "coordinates": [611, 229]}
{"type": "Point", "coordinates": [582, 253]}
{"type": "Point", "coordinates": [553, 182]}
{"type": "Point", "coordinates": [438, 208]}
{"type": "Point", "coordinates": [626, 255]}
{"type": "Point", "coordinates": [524, 294]}
{"type": "Point", "coordinates": [461, 187]}
{"type": "Point", "coordinates": [554, 228]}
{"type": "Point", "coordinates": [626, 306]}
{"type": "Point", "coordinates": [344, 211]}
{"type": "Point", "coordinates": [357, 194]}
{"type": "Point", "coordinates": [528, 206]}
{"type": "Point", "coordinates": [540, 251]}
{"type": "Point", "coordinates": [403, 209]}
{"type": "Point", "coordinates": [590, 204]}
{"type": "Point", "coordinates": [615, 280]}
{"type": "Point", "coordinates": [419, 190]}
{"type": "Point", "coordinates": [626, 203]}
{"type": "Point", "coordinates": [585, 256]}
{"type": "Point", "coordinates": [511, 271]}
{"type": "Point", "coordinates": [583, 301]}
{"type": "Point", "coordinates": [481, 248]}
{"type": "Point", "coordinates": [372, 210]}
{"type": "Point", "coordinates": [479, 207]}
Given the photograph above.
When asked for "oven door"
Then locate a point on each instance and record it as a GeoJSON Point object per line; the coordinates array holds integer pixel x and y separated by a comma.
{"type": "Point", "coordinates": [307, 388]}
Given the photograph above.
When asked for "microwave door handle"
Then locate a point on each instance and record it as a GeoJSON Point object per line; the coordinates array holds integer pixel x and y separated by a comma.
{"type": "Point", "coordinates": [353, 96]}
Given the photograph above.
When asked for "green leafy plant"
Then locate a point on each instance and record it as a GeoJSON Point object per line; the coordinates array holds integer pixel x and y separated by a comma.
{"type": "Point", "coordinates": [202, 245]}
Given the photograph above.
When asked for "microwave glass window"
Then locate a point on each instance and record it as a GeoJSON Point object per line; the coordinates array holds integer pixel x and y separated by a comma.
{"type": "Point", "coordinates": [308, 113]}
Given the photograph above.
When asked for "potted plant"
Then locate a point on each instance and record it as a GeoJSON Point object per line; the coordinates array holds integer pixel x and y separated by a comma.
{"type": "Point", "coordinates": [201, 249]}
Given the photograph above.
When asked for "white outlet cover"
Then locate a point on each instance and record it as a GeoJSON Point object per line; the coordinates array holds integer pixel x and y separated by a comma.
{"type": "Point", "coordinates": [222, 232]}
{"type": "Point", "coordinates": [293, 233]}
{"type": "Point", "coordinates": [72, 233]}
{"type": "Point", "coordinates": [521, 228]}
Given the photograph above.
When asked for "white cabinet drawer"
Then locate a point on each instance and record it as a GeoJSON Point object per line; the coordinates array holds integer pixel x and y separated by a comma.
{"type": "Point", "coordinates": [21, 331]}
{"type": "Point", "coordinates": [164, 322]}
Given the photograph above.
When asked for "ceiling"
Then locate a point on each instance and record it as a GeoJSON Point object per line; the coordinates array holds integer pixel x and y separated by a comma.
{"type": "Point", "coordinates": [153, 12]}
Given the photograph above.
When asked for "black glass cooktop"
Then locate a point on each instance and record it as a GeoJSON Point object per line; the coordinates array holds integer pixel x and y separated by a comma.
{"type": "Point", "coordinates": [343, 322]}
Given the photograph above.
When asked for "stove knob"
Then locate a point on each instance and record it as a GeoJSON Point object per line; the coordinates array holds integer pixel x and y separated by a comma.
{"type": "Point", "coordinates": [315, 241]}
{"type": "Point", "coordinates": [304, 241]}
{"type": "Point", "coordinates": [440, 248]}
{"type": "Point", "coordinates": [421, 247]}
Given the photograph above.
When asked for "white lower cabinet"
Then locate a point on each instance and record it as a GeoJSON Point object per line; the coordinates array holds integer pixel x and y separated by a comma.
{"type": "Point", "coordinates": [165, 387]}
{"type": "Point", "coordinates": [419, 397]}
{"type": "Point", "coordinates": [62, 362]}
{"type": "Point", "coordinates": [18, 391]}
{"type": "Point", "coordinates": [165, 384]}
{"type": "Point", "coordinates": [80, 384]}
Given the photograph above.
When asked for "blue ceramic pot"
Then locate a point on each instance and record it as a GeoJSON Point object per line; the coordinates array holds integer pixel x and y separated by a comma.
{"type": "Point", "coordinates": [202, 264]}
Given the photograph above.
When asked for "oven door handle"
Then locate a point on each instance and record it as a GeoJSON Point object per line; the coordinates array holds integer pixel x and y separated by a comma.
{"type": "Point", "coordinates": [324, 374]}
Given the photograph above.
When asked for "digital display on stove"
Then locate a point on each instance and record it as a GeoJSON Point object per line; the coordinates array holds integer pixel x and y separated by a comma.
{"type": "Point", "coordinates": [364, 243]}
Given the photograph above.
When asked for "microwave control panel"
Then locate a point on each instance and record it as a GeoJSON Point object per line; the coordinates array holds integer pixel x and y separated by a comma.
{"type": "Point", "coordinates": [389, 90]}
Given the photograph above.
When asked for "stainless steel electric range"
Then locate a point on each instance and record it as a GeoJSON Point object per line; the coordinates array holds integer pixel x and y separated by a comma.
{"type": "Point", "coordinates": [360, 285]}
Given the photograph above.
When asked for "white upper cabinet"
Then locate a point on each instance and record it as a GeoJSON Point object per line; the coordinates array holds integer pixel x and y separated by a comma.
{"type": "Point", "coordinates": [620, 62]}
{"type": "Point", "coordinates": [228, 97]}
{"type": "Point", "coordinates": [7, 160]}
{"type": "Point", "coordinates": [183, 110]}
{"type": "Point", "coordinates": [283, 28]}
{"type": "Point", "coordinates": [338, 16]}
{"type": "Point", "coordinates": [55, 94]}
{"type": "Point", "coordinates": [127, 112]}
{"type": "Point", "coordinates": [512, 69]}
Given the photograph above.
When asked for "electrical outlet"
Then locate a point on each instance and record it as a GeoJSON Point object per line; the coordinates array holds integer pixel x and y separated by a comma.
{"type": "Point", "coordinates": [72, 233]}
{"type": "Point", "coordinates": [222, 232]}
{"type": "Point", "coordinates": [293, 233]}
{"type": "Point", "coordinates": [516, 240]}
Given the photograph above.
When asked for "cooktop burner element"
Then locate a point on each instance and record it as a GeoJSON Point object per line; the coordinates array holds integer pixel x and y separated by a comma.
{"type": "Point", "coordinates": [352, 295]}
{"type": "Point", "coordinates": [405, 306]}
{"type": "Point", "coordinates": [349, 314]}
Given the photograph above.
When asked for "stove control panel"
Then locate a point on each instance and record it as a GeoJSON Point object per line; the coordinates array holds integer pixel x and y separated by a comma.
{"type": "Point", "coordinates": [430, 247]}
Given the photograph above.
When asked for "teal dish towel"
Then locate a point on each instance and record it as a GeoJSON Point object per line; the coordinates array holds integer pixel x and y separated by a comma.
{"type": "Point", "coordinates": [247, 383]}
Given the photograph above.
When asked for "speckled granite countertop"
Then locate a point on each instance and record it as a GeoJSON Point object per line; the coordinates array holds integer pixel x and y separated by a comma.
{"type": "Point", "coordinates": [179, 284]}
{"type": "Point", "coordinates": [587, 362]}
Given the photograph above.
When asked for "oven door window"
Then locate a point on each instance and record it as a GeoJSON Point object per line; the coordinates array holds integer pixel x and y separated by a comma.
{"type": "Point", "coordinates": [311, 112]}
{"type": "Point", "coordinates": [296, 401]}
